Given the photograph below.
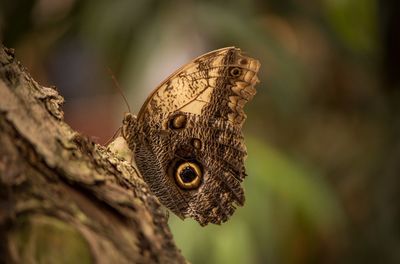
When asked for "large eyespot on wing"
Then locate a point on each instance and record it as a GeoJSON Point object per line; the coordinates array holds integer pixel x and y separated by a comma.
{"type": "Point", "coordinates": [203, 181]}
{"type": "Point", "coordinates": [217, 84]}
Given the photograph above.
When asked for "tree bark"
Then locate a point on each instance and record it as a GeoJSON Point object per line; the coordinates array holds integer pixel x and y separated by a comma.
{"type": "Point", "coordinates": [63, 198]}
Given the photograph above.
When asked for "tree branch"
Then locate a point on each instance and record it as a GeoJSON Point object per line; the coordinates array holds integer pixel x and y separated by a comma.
{"type": "Point", "coordinates": [63, 198]}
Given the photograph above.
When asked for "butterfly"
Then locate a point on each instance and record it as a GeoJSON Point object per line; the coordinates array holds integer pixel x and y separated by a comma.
{"type": "Point", "coordinates": [187, 141]}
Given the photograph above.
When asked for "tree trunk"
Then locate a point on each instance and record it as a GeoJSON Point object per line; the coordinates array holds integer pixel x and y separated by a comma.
{"type": "Point", "coordinates": [63, 198]}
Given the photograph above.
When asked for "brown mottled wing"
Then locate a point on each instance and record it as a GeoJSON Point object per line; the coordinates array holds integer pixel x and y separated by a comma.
{"type": "Point", "coordinates": [210, 92]}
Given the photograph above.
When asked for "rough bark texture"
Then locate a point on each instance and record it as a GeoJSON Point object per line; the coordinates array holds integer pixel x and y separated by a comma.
{"type": "Point", "coordinates": [64, 199]}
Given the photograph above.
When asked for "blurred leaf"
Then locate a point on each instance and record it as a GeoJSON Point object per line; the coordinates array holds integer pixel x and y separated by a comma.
{"type": "Point", "coordinates": [300, 187]}
{"type": "Point", "coordinates": [355, 23]}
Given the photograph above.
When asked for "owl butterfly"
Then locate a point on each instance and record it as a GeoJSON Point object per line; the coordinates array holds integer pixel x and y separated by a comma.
{"type": "Point", "coordinates": [187, 140]}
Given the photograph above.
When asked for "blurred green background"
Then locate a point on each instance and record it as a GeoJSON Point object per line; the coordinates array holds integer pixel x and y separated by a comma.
{"type": "Point", "coordinates": [323, 131]}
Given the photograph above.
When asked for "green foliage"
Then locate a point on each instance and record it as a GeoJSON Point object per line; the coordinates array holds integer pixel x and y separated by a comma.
{"type": "Point", "coordinates": [354, 23]}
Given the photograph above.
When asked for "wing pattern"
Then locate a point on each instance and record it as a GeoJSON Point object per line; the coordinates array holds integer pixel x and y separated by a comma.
{"type": "Point", "coordinates": [208, 96]}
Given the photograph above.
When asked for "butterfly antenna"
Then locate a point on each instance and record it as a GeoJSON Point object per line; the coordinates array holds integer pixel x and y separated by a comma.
{"type": "Point", "coordinates": [116, 85]}
{"type": "Point", "coordinates": [113, 137]}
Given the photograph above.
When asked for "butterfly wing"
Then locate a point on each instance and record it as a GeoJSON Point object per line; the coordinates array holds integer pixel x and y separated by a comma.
{"type": "Point", "coordinates": [188, 141]}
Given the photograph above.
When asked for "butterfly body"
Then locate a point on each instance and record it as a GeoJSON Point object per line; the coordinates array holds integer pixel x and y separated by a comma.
{"type": "Point", "coordinates": [187, 140]}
